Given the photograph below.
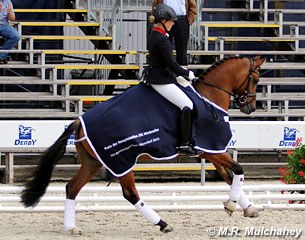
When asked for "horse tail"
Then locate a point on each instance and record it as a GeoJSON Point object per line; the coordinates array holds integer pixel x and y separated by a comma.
{"type": "Point", "coordinates": [41, 176]}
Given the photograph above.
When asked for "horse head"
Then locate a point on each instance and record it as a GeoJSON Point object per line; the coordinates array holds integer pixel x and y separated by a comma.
{"type": "Point", "coordinates": [246, 88]}
{"type": "Point", "coordinates": [235, 77]}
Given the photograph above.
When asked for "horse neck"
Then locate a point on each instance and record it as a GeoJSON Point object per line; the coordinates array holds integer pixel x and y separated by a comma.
{"type": "Point", "coordinates": [217, 96]}
{"type": "Point", "coordinates": [225, 77]}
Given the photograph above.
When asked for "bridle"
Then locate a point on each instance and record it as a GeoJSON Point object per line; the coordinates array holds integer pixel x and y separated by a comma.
{"type": "Point", "coordinates": [242, 99]}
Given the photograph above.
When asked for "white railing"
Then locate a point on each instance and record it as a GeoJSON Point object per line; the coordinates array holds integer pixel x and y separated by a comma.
{"type": "Point", "coordinates": [161, 198]}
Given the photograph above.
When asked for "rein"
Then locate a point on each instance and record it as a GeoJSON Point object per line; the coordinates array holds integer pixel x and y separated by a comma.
{"type": "Point", "coordinates": [242, 99]}
{"type": "Point", "coordinates": [234, 95]}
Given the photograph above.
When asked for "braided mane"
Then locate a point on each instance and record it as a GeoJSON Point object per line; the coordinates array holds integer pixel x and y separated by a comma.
{"type": "Point", "coordinates": [216, 64]}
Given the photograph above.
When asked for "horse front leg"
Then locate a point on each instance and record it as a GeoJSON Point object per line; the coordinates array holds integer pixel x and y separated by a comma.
{"type": "Point", "coordinates": [243, 202]}
{"type": "Point", "coordinates": [131, 194]}
{"type": "Point", "coordinates": [222, 162]}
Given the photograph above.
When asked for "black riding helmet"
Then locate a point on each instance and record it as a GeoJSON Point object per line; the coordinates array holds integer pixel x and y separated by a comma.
{"type": "Point", "coordinates": [163, 11]}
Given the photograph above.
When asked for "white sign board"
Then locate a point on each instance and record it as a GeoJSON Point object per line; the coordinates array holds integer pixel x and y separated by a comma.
{"type": "Point", "coordinates": [32, 134]}
{"type": "Point", "coordinates": [246, 134]}
{"type": "Point", "coordinates": [266, 134]}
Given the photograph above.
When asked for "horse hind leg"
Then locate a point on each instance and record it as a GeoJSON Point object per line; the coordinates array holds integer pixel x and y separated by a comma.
{"type": "Point", "coordinates": [89, 167]}
{"type": "Point", "coordinates": [131, 194]}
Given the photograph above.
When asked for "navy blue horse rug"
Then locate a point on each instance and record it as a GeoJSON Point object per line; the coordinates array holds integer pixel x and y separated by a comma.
{"type": "Point", "coordinates": [141, 121]}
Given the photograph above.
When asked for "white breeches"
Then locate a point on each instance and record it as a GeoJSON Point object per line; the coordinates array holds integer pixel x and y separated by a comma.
{"type": "Point", "coordinates": [173, 94]}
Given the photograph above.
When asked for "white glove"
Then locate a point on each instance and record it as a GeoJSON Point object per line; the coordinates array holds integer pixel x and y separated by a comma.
{"type": "Point", "coordinates": [191, 76]}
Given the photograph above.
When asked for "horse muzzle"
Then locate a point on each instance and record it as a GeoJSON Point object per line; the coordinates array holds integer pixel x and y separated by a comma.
{"type": "Point", "coordinates": [247, 109]}
{"type": "Point", "coordinates": [247, 103]}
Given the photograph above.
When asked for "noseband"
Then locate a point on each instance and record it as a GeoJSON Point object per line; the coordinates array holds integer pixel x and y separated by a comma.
{"type": "Point", "coordinates": [242, 99]}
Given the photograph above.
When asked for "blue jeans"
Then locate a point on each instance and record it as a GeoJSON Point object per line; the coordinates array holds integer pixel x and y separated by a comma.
{"type": "Point", "coordinates": [12, 37]}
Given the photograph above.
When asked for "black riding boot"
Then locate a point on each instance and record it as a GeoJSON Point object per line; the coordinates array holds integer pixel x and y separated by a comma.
{"type": "Point", "coordinates": [186, 131]}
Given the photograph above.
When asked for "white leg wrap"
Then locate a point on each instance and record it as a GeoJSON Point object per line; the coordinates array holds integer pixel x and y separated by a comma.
{"type": "Point", "coordinates": [69, 216]}
{"type": "Point", "coordinates": [149, 214]}
{"type": "Point", "coordinates": [236, 187]}
{"type": "Point", "coordinates": [243, 200]}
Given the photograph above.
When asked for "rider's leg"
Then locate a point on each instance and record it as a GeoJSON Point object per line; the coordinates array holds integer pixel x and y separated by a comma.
{"type": "Point", "coordinates": [186, 126]}
{"type": "Point", "coordinates": [173, 94]}
{"type": "Point", "coordinates": [131, 194]}
{"type": "Point", "coordinates": [176, 96]}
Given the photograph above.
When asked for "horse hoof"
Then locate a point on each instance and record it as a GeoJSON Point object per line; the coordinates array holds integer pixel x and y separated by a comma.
{"type": "Point", "coordinates": [229, 207]}
{"type": "Point", "coordinates": [74, 231]}
{"type": "Point", "coordinates": [251, 212]}
{"type": "Point", "coordinates": [167, 229]}
{"type": "Point", "coordinates": [164, 227]}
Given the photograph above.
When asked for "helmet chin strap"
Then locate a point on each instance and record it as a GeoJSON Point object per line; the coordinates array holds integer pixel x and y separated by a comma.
{"type": "Point", "coordinates": [163, 25]}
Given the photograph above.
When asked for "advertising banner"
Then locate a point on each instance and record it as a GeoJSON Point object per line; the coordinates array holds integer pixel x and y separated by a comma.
{"type": "Point", "coordinates": [266, 134]}
{"type": "Point", "coordinates": [246, 134]}
{"type": "Point", "coordinates": [32, 134]}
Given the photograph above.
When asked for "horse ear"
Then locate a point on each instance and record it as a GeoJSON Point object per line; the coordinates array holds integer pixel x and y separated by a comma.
{"type": "Point", "coordinates": [261, 60]}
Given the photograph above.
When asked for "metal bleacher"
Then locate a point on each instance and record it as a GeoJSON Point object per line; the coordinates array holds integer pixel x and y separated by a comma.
{"type": "Point", "coordinates": [222, 29]}
{"type": "Point", "coordinates": [52, 99]}
{"type": "Point", "coordinates": [213, 39]}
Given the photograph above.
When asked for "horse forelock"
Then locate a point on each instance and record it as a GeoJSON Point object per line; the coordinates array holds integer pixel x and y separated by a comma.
{"type": "Point", "coordinates": [217, 64]}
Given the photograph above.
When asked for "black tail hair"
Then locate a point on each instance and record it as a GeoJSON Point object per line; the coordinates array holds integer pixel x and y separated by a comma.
{"type": "Point", "coordinates": [36, 188]}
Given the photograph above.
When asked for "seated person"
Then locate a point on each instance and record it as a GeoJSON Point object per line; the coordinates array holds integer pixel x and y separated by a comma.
{"type": "Point", "coordinates": [9, 33]}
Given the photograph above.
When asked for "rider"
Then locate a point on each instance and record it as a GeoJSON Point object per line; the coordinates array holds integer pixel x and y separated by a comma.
{"type": "Point", "coordinates": [163, 69]}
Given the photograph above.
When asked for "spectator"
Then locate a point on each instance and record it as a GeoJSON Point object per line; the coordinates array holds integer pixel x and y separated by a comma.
{"type": "Point", "coordinates": [6, 30]}
{"type": "Point", "coordinates": [186, 11]}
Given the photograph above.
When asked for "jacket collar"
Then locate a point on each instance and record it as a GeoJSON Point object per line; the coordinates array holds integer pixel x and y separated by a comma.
{"type": "Point", "coordinates": [160, 30]}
